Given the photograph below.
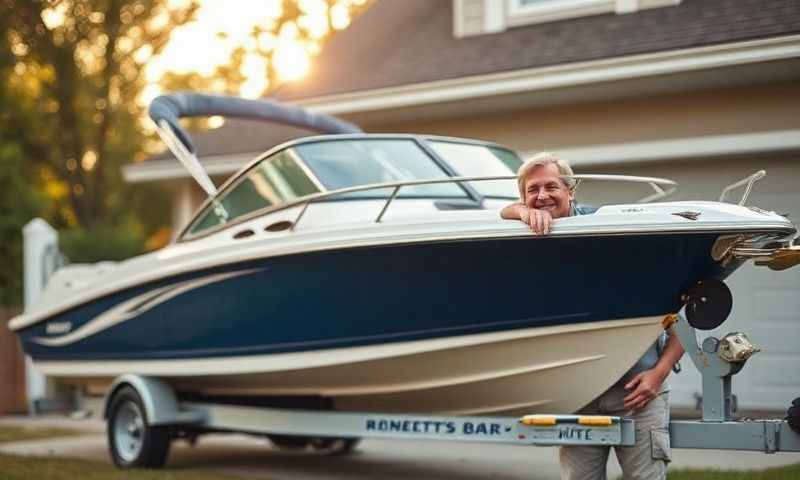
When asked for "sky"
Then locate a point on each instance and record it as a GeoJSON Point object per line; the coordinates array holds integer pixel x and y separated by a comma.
{"type": "Point", "coordinates": [197, 46]}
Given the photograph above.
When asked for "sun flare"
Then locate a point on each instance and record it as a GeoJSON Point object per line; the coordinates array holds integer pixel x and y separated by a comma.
{"type": "Point", "coordinates": [221, 26]}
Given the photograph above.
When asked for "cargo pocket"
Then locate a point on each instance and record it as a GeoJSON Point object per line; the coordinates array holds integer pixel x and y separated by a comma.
{"type": "Point", "coordinates": [659, 444]}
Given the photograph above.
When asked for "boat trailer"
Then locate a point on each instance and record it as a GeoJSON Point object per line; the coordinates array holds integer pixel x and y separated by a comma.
{"type": "Point", "coordinates": [144, 414]}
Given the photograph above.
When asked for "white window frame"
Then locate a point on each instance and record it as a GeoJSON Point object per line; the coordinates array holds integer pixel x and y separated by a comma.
{"type": "Point", "coordinates": [518, 14]}
{"type": "Point", "coordinates": [552, 10]}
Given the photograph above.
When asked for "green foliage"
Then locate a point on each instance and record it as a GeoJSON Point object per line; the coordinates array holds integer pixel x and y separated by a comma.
{"type": "Point", "coordinates": [791, 472]}
{"type": "Point", "coordinates": [20, 434]}
{"type": "Point", "coordinates": [77, 68]}
{"type": "Point", "coordinates": [14, 467]}
{"type": "Point", "coordinates": [70, 76]}
{"type": "Point", "coordinates": [294, 17]}
{"type": "Point", "coordinates": [18, 204]}
{"type": "Point", "coordinates": [100, 244]}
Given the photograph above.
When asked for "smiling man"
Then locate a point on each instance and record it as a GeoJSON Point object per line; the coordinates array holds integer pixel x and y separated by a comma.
{"type": "Point", "coordinates": [547, 192]}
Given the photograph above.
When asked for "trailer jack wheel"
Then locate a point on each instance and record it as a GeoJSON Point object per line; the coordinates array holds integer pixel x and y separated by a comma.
{"type": "Point", "coordinates": [793, 416]}
{"type": "Point", "coordinates": [327, 445]}
{"type": "Point", "coordinates": [132, 442]}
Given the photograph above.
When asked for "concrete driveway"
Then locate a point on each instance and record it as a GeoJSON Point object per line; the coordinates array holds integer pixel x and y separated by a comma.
{"type": "Point", "coordinates": [254, 458]}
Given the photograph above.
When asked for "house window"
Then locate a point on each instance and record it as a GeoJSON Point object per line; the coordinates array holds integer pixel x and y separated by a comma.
{"type": "Point", "coordinates": [476, 17]}
{"type": "Point", "coordinates": [525, 12]}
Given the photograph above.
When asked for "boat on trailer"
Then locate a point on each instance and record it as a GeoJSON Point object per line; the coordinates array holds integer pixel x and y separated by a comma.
{"type": "Point", "coordinates": [372, 272]}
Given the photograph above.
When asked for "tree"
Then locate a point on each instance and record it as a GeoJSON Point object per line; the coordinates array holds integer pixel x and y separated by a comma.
{"type": "Point", "coordinates": [297, 21]}
{"type": "Point", "coordinates": [18, 204]}
{"type": "Point", "coordinates": [70, 74]}
{"type": "Point", "coordinates": [80, 63]}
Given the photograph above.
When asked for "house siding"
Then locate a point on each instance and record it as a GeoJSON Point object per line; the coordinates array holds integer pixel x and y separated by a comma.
{"type": "Point", "coordinates": [741, 110]}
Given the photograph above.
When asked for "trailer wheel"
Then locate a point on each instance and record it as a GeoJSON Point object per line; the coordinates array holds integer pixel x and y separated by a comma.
{"type": "Point", "coordinates": [793, 415]}
{"type": "Point", "coordinates": [326, 445]}
{"type": "Point", "coordinates": [132, 442]}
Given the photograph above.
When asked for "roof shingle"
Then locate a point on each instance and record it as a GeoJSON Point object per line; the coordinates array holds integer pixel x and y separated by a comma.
{"type": "Point", "coordinates": [411, 41]}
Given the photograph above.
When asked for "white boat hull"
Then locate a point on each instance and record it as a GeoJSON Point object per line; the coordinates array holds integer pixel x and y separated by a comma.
{"type": "Point", "coordinates": [546, 369]}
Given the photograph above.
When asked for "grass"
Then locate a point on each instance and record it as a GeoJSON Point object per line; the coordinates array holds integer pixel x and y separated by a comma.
{"type": "Point", "coordinates": [790, 472]}
{"type": "Point", "coordinates": [26, 468]}
{"type": "Point", "coordinates": [13, 467]}
{"type": "Point", "coordinates": [19, 434]}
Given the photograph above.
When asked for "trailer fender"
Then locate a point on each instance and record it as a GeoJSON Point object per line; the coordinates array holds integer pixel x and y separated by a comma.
{"type": "Point", "coordinates": [158, 398]}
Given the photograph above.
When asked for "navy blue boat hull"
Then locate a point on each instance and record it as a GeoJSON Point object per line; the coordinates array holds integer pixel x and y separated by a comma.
{"type": "Point", "coordinates": [374, 295]}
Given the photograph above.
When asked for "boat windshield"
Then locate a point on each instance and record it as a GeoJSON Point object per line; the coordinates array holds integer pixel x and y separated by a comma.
{"type": "Point", "coordinates": [472, 160]}
{"type": "Point", "coordinates": [309, 168]}
{"type": "Point", "coordinates": [349, 163]}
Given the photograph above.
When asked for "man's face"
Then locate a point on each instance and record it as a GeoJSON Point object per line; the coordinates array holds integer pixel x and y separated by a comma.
{"type": "Point", "coordinates": [544, 190]}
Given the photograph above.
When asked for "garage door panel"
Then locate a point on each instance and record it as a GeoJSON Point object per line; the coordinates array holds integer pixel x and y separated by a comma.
{"type": "Point", "coordinates": [782, 339]}
{"type": "Point", "coordinates": [775, 370]}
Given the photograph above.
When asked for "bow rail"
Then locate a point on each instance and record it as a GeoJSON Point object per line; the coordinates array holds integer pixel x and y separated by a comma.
{"type": "Point", "coordinates": [747, 182]}
{"type": "Point", "coordinates": [655, 182]}
{"type": "Point", "coordinates": [662, 187]}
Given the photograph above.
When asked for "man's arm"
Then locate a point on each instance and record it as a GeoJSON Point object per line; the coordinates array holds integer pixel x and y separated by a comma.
{"type": "Point", "coordinates": [647, 384]}
{"type": "Point", "coordinates": [515, 211]}
{"type": "Point", "coordinates": [539, 220]}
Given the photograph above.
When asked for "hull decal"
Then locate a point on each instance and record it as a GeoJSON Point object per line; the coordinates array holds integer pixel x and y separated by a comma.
{"type": "Point", "coordinates": [134, 307]}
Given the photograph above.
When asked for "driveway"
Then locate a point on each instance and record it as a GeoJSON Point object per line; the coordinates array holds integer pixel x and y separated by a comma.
{"type": "Point", "coordinates": [254, 458]}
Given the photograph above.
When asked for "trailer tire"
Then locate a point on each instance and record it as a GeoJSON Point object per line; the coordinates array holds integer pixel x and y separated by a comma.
{"type": "Point", "coordinates": [793, 416]}
{"type": "Point", "coordinates": [132, 442]}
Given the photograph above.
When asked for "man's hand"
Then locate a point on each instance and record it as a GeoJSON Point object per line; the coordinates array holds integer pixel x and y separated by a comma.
{"type": "Point", "coordinates": [645, 387]}
{"type": "Point", "coordinates": [647, 384]}
{"type": "Point", "coordinates": [539, 220]}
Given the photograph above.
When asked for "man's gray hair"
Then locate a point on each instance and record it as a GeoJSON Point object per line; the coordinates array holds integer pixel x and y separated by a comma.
{"type": "Point", "coordinates": [540, 160]}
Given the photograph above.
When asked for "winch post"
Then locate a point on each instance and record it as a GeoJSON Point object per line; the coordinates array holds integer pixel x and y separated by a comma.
{"type": "Point", "coordinates": [716, 373]}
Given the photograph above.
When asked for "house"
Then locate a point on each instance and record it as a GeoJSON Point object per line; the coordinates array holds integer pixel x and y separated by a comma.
{"type": "Point", "coordinates": [702, 91]}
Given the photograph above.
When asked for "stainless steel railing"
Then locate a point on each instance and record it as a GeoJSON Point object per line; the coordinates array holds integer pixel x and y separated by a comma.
{"type": "Point", "coordinates": [747, 183]}
{"type": "Point", "coordinates": [654, 182]}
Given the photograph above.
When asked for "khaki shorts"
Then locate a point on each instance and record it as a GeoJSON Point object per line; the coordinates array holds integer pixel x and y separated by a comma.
{"type": "Point", "coordinates": [647, 459]}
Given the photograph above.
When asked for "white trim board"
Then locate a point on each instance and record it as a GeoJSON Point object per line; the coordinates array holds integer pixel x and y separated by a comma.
{"type": "Point", "coordinates": [558, 76]}
{"type": "Point", "coordinates": [691, 147]}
